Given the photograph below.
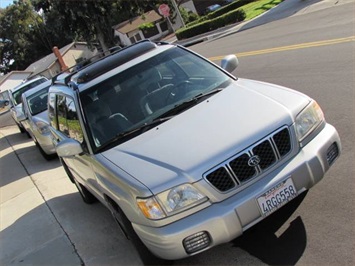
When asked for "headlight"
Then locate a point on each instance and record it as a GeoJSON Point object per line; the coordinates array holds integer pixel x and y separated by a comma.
{"type": "Point", "coordinates": [42, 127]}
{"type": "Point", "coordinates": [171, 201]}
{"type": "Point", "coordinates": [308, 120]}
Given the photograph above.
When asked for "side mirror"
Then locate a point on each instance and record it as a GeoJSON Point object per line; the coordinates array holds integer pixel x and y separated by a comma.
{"type": "Point", "coordinates": [68, 148]}
{"type": "Point", "coordinates": [229, 63]}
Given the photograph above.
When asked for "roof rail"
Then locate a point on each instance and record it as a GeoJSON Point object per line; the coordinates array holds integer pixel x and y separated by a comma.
{"type": "Point", "coordinates": [110, 62]}
{"type": "Point", "coordinates": [75, 69]}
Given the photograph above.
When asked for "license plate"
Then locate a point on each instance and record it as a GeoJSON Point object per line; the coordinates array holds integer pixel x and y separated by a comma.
{"type": "Point", "coordinates": [276, 197]}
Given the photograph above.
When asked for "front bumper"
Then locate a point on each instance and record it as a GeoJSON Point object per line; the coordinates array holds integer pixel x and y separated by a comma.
{"type": "Point", "coordinates": [224, 221]}
{"type": "Point", "coordinates": [45, 141]}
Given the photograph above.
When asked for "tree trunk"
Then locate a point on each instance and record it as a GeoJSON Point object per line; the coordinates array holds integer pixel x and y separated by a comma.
{"type": "Point", "coordinates": [101, 39]}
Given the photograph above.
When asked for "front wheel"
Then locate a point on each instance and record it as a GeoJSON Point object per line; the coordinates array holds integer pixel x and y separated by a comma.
{"type": "Point", "coordinates": [85, 194]}
{"type": "Point", "coordinates": [147, 257]}
{"type": "Point", "coordinates": [22, 130]}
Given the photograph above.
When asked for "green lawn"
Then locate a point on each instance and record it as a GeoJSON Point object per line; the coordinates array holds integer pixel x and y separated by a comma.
{"type": "Point", "coordinates": [258, 7]}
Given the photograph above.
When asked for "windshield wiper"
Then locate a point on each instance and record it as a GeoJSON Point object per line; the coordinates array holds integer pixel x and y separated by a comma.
{"type": "Point", "coordinates": [189, 103]}
{"type": "Point", "coordinates": [203, 95]}
{"type": "Point", "coordinates": [135, 131]}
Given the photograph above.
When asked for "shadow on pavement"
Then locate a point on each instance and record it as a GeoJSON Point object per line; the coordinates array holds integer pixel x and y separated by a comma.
{"type": "Point", "coordinates": [262, 242]}
{"type": "Point", "coordinates": [35, 237]}
{"type": "Point", "coordinates": [6, 119]}
{"type": "Point", "coordinates": [20, 162]}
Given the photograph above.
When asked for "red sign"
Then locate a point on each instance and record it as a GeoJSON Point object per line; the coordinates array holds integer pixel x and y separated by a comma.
{"type": "Point", "coordinates": [164, 10]}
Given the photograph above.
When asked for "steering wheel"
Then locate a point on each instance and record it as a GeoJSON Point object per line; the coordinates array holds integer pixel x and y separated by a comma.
{"type": "Point", "coordinates": [176, 91]}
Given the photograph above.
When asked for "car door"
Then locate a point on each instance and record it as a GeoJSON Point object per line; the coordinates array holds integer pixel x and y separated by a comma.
{"type": "Point", "coordinates": [27, 122]}
{"type": "Point", "coordinates": [69, 127]}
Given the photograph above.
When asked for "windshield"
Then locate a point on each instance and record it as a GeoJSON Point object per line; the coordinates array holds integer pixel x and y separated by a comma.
{"type": "Point", "coordinates": [143, 93]}
{"type": "Point", "coordinates": [37, 103]}
{"type": "Point", "coordinates": [18, 93]}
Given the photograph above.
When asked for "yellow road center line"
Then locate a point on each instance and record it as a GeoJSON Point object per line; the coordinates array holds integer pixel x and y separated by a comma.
{"type": "Point", "coordinates": [290, 47]}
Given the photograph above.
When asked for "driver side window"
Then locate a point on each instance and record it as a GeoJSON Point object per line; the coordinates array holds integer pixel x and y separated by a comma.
{"type": "Point", "coordinates": [68, 121]}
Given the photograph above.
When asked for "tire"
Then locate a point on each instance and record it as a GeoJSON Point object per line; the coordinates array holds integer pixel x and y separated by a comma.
{"type": "Point", "coordinates": [85, 194]}
{"type": "Point", "coordinates": [147, 257]}
{"type": "Point", "coordinates": [22, 130]}
{"type": "Point", "coordinates": [67, 171]}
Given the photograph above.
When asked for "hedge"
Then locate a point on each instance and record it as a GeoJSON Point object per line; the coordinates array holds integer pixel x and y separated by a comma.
{"type": "Point", "coordinates": [221, 11]}
{"type": "Point", "coordinates": [212, 24]}
{"type": "Point", "coordinates": [230, 7]}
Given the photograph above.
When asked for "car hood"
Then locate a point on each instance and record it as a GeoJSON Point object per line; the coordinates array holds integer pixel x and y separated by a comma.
{"type": "Point", "coordinates": [43, 116]}
{"type": "Point", "coordinates": [186, 146]}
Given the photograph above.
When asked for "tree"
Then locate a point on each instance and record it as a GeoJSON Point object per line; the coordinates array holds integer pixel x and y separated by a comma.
{"type": "Point", "coordinates": [92, 21]}
{"type": "Point", "coordinates": [15, 26]}
{"type": "Point", "coordinates": [30, 28]}
{"type": "Point", "coordinates": [24, 37]}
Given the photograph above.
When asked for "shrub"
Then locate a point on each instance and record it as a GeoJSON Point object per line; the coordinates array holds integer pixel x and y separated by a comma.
{"type": "Point", "coordinates": [188, 16]}
{"type": "Point", "coordinates": [220, 12]}
{"type": "Point", "coordinates": [227, 8]}
{"type": "Point", "coordinates": [148, 29]}
{"type": "Point", "coordinates": [146, 26]}
{"type": "Point", "coordinates": [208, 25]}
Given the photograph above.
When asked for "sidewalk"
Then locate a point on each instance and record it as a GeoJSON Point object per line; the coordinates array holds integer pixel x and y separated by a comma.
{"type": "Point", "coordinates": [30, 234]}
{"type": "Point", "coordinates": [44, 221]}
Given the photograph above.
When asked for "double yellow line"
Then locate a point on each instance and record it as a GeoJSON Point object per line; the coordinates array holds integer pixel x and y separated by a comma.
{"type": "Point", "coordinates": [290, 47]}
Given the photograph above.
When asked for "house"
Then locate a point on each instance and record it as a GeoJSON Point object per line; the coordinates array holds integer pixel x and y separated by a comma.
{"type": "Point", "coordinates": [65, 57]}
{"type": "Point", "coordinates": [49, 66]}
{"type": "Point", "coordinates": [129, 31]}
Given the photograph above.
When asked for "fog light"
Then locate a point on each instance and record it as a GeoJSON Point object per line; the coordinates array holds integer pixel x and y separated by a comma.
{"type": "Point", "coordinates": [196, 242]}
{"type": "Point", "coordinates": [332, 153]}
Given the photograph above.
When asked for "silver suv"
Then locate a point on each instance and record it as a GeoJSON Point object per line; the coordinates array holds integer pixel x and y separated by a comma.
{"type": "Point", "coordinates": [185, 155]}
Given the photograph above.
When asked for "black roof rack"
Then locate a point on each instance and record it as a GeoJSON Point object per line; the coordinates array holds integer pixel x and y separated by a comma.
{"type": "Point", "coordinates": [112, 61]}
{"type": "Point", "coordinates": [106, 63]}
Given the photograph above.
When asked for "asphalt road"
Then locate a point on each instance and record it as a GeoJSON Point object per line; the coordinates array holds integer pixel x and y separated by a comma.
{"type": "Point", "coordinates": [308, 54]}
{"type": "Point", "coordinates": [313, 53]}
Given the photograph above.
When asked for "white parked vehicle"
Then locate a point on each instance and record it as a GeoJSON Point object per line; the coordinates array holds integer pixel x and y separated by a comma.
{"type": "Point", "coordinates": [16, 99]}
{"type": "Point", "coordinates": [35, 118]}
{"type": "Point", "coordinates": [185, 155]}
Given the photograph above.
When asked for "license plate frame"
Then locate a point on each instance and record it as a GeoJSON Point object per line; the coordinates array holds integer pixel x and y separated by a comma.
{"type": "Point", "coordinates": [276, 197]}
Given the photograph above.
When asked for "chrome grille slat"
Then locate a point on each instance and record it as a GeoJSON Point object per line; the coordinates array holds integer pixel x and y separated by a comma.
{"type": "Point", "coordinates": [238, 170]}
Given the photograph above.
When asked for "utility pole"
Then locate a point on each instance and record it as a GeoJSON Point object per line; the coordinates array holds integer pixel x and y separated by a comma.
{"type": "Point", "coordinates": [178, 12]}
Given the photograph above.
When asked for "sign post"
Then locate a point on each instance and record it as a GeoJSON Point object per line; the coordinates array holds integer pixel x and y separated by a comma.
{"type": "Point", "coordinates": [164, 10]}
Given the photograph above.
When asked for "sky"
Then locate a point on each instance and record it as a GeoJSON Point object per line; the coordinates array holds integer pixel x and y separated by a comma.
{"type": "Point", "coordinates": [5, 3]}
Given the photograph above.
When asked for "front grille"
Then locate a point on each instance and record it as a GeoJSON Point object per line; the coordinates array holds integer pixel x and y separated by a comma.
{"type": "Point", "coordinates": [252, 162]}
